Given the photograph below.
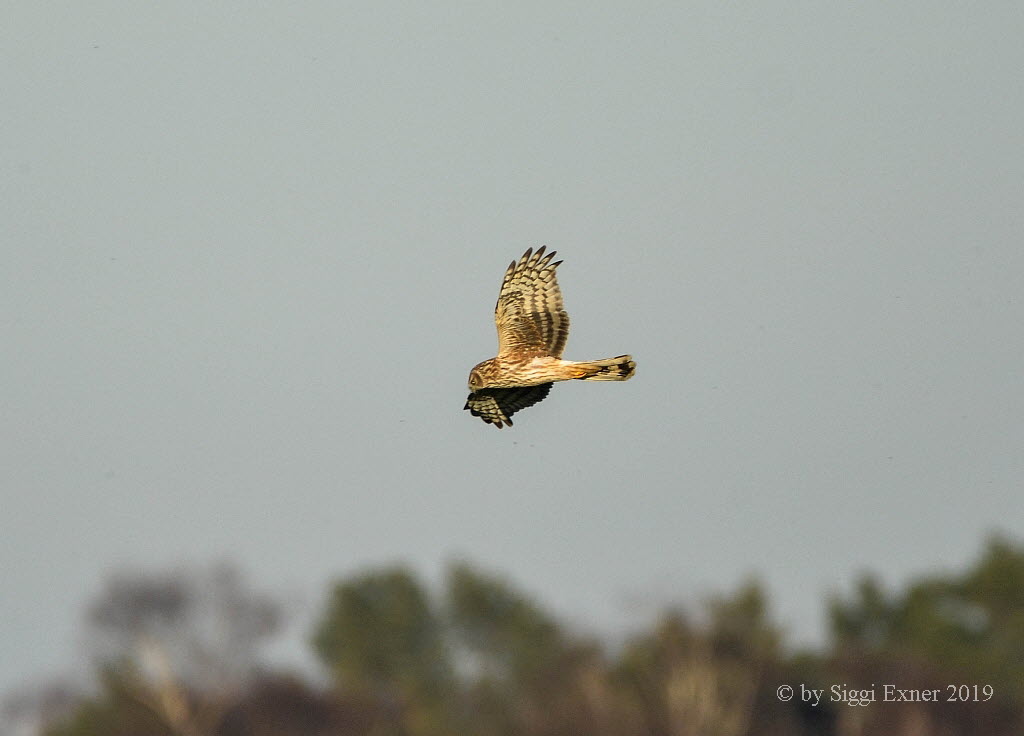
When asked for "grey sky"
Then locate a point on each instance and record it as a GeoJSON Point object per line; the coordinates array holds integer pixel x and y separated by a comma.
{"type": "Point", "coordinates": [250, 252]}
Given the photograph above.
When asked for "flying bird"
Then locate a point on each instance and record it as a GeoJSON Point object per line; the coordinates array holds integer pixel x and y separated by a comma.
{"type": "Point", "coordinates": [532, 329]}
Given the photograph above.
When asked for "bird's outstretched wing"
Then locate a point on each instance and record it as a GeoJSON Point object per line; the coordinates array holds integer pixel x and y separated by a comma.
{"type": "Point", "coordinates": [529, 314]}
{"type": "Point", "coordinates": [497, 405]}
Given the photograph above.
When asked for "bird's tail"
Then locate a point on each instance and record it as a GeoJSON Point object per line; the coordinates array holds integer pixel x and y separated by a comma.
{"type": "Point", "coordinates": [620, 368]}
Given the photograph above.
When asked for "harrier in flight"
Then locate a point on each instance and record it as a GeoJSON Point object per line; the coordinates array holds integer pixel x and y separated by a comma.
{"type": "Point", "coordinates": [532, 329]}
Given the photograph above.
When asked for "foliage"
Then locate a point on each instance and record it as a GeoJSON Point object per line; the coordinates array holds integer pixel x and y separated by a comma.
{"type": "Point", "coordinates": [201, 627]}
{"type": "Point", "coordinates": [690, 679]}
{"type": "Point", "coordinates": [971, 624]}
{"type": "Point", "coordinates": [507, 635]}
{"type": "Point", "coordinates": [381, 633]}
{"type": "Point", "coordinates": [481, 657]}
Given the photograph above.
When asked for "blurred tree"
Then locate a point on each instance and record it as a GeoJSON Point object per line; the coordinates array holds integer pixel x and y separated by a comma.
{"type": "Point", "coordinates": [380, 632]}
{"type": "Point", "coordinates": [286, 706]}
{"type": "Point", "coordinates": [125, 707]}
{"type": "Point", "coordinates": [269, 706]}
{"type": "Point", "coordinates": [646, 664]}
{"type": "Point", "coordinates": [945, 629]}
{"type": "Point", "coordinates": [740, 625]}
{"type": "Point", "coordinates": [173, 649]}
{"type": "Point", "coordinates": [523, 674]}
{"type": "Point", "coordinates": [972, 623]}
{"type": "Point", "coordinates": [505, 634]}
{"type": "Point", "coordinates": [867, 620]}
{"type": "Point", "coordinates": [703, 681]}
{"type": "Point", "coordinates": [29, 708]}
{"type": "Point", "coordinates": [493, 662]}
{"type": "Point", "coordinates": [201, 627]}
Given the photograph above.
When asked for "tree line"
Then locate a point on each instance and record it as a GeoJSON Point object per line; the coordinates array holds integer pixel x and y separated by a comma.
{"type": "Point", "coordinates": [177, 654]}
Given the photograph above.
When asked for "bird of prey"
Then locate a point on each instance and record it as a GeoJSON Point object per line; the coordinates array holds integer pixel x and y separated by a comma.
{"type": "Point", "coordinates": [532, 329]}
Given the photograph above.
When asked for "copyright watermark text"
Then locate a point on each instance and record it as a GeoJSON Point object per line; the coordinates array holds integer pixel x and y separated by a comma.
{"type": "Point", "coordinates": [884, 693]}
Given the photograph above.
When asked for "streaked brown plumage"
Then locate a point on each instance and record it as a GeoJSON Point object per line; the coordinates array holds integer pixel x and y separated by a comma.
{"type": "Point", "coordinates": [532, 330]}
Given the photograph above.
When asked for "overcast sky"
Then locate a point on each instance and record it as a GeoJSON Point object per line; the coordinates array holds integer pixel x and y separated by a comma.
{"type": "Point", "coordinates": [251, 251]}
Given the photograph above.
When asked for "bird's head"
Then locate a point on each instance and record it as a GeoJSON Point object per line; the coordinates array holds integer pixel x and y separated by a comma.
{"type": "Point", "coordinates": [476, 379]}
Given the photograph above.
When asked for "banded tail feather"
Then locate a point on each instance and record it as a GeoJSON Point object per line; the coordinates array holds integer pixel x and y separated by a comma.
{"type": "Point", "coordinates": [619, 368]}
